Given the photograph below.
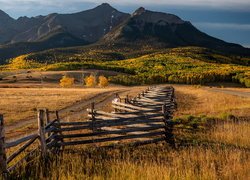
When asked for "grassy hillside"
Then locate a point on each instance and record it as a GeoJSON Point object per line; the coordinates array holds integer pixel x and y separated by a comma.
{"type": "Point", "coordinates": [182, 66]}
{"type": "Point", "coordinates": [190, 65]}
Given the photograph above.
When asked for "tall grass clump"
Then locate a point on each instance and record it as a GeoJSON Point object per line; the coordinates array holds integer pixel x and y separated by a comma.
{"type": "Point", "coordinates": [216, 156]}
{"type": "Point", "coordinates": [149, 162]}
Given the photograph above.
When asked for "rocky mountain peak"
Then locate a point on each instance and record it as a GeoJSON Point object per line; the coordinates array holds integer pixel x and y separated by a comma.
{"type": "Point", "coordinates": [154, 17]}
{"type": "Point", "coordinates": [105, 6]}
{"type": "Point", "coordinates": [139, 11]}
{"type": "Point", "coordinates": [4, 16]}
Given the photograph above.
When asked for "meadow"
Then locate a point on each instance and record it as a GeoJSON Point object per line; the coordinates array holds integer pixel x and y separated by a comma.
{"type": "Point", "coordinates": [211, 131]}
{"type": "Point", "coordinates": [196, 100]}
{"type": "Point", "coordinates": [218, 149]}
{"type": "Point", "coordinates": [20, 103]}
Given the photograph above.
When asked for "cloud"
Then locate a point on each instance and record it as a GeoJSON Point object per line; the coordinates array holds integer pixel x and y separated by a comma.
{"type": "Point", "coordinates": [7, 4]}
{"type": "Point", "coordinates": [18, 8]}
{"type": "Point", "coordinates": [232, 26]}
{"type": "Point", "coordinates": [59, 3]}
{"type": "Point", "coordinates": [208, 3]}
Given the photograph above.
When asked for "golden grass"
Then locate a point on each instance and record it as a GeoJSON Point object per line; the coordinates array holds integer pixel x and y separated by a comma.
{"type": "Point", "coordinates": [149, 162]}
{"type": "Point", "coordinates": [223, 152]}
{"type": "Point", "coordinates": [232, 133]}
{"type": "Point", "coordinates": [18, 104]}
{"type": "Point", "coordinates": [195, 101]}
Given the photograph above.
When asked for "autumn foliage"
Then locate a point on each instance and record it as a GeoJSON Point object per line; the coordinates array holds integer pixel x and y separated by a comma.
{"type": "Point", "coordinates": [90, 81]}
{"type": "Point", "coordinates": [67, 82]}
{"type": "Point", "coordinates": [103, 81]}
{"type": "Point", "coordinates": [93, 81]}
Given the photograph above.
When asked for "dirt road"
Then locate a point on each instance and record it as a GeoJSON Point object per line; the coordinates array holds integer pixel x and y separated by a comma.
{"type": "Point", "coordinates": [74, 112]}
{"type": "Point", "coordinates": [230, 92]}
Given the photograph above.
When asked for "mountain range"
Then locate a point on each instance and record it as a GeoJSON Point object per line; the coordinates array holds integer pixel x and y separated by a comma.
{"type": "Point", "coordinates": [103, 25]}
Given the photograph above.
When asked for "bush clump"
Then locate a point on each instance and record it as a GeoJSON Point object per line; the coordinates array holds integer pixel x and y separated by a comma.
{"type": "Point", "coordinates": [67, 82]}
{"type": "Point", "coordinates": [103, 81]}
{"type": "Point", "coordinates": [90, 81]}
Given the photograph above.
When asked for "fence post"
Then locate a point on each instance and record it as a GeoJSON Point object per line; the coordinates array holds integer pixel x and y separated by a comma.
{"type": "Point", "coordinates": [127, 101]}
{"type": "Point", "coordinates": [93, 116]}
{"type": "Point", "coordinates": [3, 159]}
{"type": "Point", "coordinates": [168, 127]}
{"type": "Point", "coordinates": [41, 132]}
{"type": "Point", "coordinates": [133, 101]}
{"type": "Point", "coordinates": [59, 127]}
{"type": "Point", "coordinates": [57, 115]}
{"type": "Point", "coordinates": [164, 109]}
{"type": "Point", "coordinates": [47, 119]}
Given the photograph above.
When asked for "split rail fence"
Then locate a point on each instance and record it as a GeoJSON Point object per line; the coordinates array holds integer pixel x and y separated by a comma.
{"type": "Point", "coordinates": [146, 118]}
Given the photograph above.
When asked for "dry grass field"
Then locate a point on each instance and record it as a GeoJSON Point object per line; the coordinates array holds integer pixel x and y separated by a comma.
{"type": "Point", "coordinates": [231, 133]}
{"type": "Point", "coordinates": [221, 151]}
{"type": "Point", "coordinates": [217, 160]}
{"type": "Point", "coordinates": [197, 101]}
{"type": "Point", "coordinates": [20, 103]}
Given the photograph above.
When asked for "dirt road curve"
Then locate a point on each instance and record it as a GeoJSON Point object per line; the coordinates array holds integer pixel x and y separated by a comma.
{"type": "Point", "coordinates": [231, 92]}
{"type": "Point", "coordinates": [74, 112]}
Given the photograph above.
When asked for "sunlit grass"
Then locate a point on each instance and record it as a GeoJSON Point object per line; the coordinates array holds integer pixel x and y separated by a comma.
{"type": "Point", "coordinates": [196, 101]}
{"type": "Point", "coordinates": [149, 162]}
{"type": "Point", "coordinates": [20, 103]}
{"type": "Point", "coordinates": [232, 133]}
{"type": "Point", "coordinates": [219, 151]}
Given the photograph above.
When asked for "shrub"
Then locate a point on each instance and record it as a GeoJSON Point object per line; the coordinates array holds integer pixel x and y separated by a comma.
{"type": "Point", "coordinates": [103, 81]}
{"type": "Point", "coordinates": [90, 81]}
{"type": "Point", "coordinates": [67, 82]}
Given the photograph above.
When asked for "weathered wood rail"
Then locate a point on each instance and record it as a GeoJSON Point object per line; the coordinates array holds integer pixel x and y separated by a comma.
{"type": "Point", "coordinates": [145, 118]}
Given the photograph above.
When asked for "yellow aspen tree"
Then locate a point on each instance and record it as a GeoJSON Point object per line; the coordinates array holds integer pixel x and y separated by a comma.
{"type": "Point", "coordinates": [90, 81]}
{"type": "Point", "coordinates": [67, 82]}
{"type": "Point", "coordinates": [103, 81]}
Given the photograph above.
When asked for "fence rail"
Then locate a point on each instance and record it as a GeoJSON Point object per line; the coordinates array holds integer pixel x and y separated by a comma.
{"type": "Point", "coordinates": [146, 118]}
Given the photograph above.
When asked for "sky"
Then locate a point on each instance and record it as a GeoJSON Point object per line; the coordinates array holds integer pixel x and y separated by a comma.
{"type": "Point", "coordinates": [225, 19]}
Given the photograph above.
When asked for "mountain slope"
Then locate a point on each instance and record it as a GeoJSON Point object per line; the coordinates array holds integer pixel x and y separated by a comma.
{"type": "Point", "coordinates": [142, 32]}
{"type": "Point", "coordinates": [54, 40]}
{"type": "Point", "coordinates": [89, 25]}
{"type": "Point", "coordinates": [164, 30]}
{"type": "Point", "coordinates": [7, 29]}
{"type": "Point", "coordinates": [26, 35]}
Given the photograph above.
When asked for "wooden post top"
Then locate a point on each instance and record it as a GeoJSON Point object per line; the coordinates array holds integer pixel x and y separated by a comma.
{"type": "Point", "coordinates": [3, 159]}
{"type": "Point", "coordinates": [41, 131]}
{"type": "Point", "coordinates": [92, 105]}
{"type": "Point", "coordinates": [164, 109]}
{"type": "Point", "coordinates": [1, 120]}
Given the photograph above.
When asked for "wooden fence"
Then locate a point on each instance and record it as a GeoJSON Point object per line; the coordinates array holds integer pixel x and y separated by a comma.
{"type": "Point", "coordinates": [146, 118]}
